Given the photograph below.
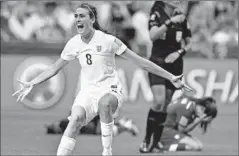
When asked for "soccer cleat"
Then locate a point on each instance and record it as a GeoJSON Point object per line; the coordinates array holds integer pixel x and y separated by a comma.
{"type": "Point", "coordinates": [106, 152]}
{"type": "Point", "coordinates": [144, 147]}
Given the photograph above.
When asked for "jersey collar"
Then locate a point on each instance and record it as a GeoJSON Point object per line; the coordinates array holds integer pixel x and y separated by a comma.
{"type": "Point", "coordinates": [92, 38]}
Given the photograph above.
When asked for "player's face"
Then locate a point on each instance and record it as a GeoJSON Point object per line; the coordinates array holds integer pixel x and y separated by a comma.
{"type": "Point", "coordinates": [200, 110]}
{"type": "Point", "coordinates": [83, 21]}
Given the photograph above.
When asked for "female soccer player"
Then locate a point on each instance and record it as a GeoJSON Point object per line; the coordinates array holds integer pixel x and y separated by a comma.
{"type": "Point", "coordinates": [168, 30]}
{"type": "Point", "coordinates": [184, 114]}
{"type": "Point", "coordinates": [100, 86]}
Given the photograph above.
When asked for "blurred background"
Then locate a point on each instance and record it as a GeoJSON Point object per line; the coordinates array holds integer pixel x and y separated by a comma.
{"type": "Point", "coordinates": [214, 24]}
{"type": "Point", "coordinates": [33, 34]}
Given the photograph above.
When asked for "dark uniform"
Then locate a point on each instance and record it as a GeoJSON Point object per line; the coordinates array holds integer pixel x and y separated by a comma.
{"type": "Point", "coordinates": [180, 112]}
{"type": "Point", "coordinates": [170, 42]}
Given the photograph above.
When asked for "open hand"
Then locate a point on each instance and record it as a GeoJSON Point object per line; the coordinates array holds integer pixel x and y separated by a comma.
{"type": "Point", "coordinates": [24, 91]}
{"type": "Point", "coordinates": [178, 83]}
{"type": "Point", "coordinates": [178, 18]}
{"type": "Point", "coordinates": [172, 57]}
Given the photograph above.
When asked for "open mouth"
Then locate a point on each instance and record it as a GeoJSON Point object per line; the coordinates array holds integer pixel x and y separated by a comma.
{"type": "Point", "coordinates": [80, 26]}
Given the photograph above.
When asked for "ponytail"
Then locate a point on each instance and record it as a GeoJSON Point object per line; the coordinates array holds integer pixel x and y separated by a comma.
{"type": "Point", "coordinates": [97, 26]}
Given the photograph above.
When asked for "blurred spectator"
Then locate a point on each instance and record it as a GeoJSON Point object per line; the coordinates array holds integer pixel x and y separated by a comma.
{"type": "Point", "coordinates": [214, 24]}
{"type": "Point", "coordinates": [51, 30]}
{"type": "Point", "coordinates": [6, 33]}
{"type": "Point", "coordinates": [120, 23]}
{"type": "Point", "coordinates": [140, 24]}
{"type": "Point", "coordinates": [24, 21]}
{"type": "Point", "coordinates": [64, 13]}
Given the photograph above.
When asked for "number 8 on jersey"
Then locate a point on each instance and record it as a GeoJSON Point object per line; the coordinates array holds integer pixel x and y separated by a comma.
{"type": "Point", "coordinates": [88, 59]}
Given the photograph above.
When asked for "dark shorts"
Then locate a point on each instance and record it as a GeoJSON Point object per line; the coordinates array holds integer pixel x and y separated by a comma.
{"type": "Point", "coordinates": [171, 137]}
{"type": "Point", "coordinates": [175, 68]}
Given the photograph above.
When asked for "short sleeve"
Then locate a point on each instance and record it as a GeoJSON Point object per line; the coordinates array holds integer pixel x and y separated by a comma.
{"type": "Point", "coordinates": [186, 29]}
{"type": "Point", "coordinates": [182, 120]}
{"type": "Point", "coordinates": [184, 112]}
{"type": "Point", "coordinates": [69, 51]}
{"type": "Point", "coordinates": [117, 46]}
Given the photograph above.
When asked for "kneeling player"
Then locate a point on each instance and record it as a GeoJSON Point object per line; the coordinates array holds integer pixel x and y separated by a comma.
{"type": "Point", "coordinates": [184, 114]}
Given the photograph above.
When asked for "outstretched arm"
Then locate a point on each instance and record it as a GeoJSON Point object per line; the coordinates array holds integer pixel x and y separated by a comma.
{"type": "Point", "coordinates": [69, 53]}
{"type": "Point", "coordinates": [146, 64]}
{"type": "Point", "coordinates": [155, 69]}
{"type": "Point", "coordinates": [49, 72]}
{"type": "Point", "coordinates": [45, 75]}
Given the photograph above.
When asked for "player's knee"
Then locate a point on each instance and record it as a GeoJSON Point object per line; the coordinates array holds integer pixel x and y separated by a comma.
{"type": "Point", "coordinates": [191, 144]}
{"type": "Point", "coordinates": [77, 121]}
{"type": "Point", "coordinates": [108, 102]}
{"type": "Point", "coordinates": [159, 94]}
{"type": "Point", "coordinates": [159, 98]}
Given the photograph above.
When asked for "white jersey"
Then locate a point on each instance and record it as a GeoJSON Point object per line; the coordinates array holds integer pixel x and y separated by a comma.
{"type": "Point", "coordinates": [97, 58]}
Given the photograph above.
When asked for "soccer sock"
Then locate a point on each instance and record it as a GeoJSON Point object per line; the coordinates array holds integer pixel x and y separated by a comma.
{"type": "Point", "coordinates": [150, 125]}
{"type": "Point", "coordinates": [107, 136]}
{"type": "Point", "coordinates": [159, 126]}
{"type": "Point", "coordinates": [66, 146]}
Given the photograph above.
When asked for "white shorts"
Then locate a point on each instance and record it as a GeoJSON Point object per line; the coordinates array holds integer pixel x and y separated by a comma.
{"type": "Point", "coordinates": [88, 99]}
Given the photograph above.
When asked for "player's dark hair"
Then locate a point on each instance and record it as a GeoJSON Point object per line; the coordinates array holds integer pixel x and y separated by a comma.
{"type": "Point", "coordinates": [158, 5]}
{"type": "Point", "coordinates": [93, 14]}
{"type": "Point", "coordinates": [210, 104]}
{"type": "Point", "coordinates": [211, 110]}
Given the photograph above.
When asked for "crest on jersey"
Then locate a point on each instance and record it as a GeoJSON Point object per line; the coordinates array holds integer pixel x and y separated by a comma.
{"type": "Point", "coordinates": [98, 48]}
{"type": "Point", "coordinates": [188, 26]}
{"type": "Point", "coordinates": [179, 35]}
{"type": "Point", "coordinates": [153, 17]}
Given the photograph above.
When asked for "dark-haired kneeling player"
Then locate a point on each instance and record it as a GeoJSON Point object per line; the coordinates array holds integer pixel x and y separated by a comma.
{"type": "Point", "coordinates": [184, 114]}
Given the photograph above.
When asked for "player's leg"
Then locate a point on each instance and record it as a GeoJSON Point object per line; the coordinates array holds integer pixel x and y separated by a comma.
{"type": "Point", "coordinates": [200, 144]}
{"type": "Point", "coordinates": [176, 68]}
{"type": "Point", "coordinates": [155, 115]}
{"type": "Point", "coordinates": [191, 144]}
{"type": "Point", "coordinates": [107, 106]}
{"type": "Point", "coordinates": [174, 140]}
{"type": "Point", "coordinates": [77, 120]}
{"type": "Point", "coordinates": [163, 115]}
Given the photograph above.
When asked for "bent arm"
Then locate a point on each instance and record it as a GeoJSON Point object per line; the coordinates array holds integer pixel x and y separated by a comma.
{"type": "Point", "coordinates": [157, 32]}
{"type": "Point", "coordinates": [146, 64]}
{"type": "Point", "coordinates": [49, 72]}
{"type": "Point", "coordinates": [188, 45]}
{"type": "Point", "coordinates": [190, 127]}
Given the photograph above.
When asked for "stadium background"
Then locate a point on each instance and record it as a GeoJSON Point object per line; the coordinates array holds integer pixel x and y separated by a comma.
{"type": "Point", "coordinates": [34, 33]}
